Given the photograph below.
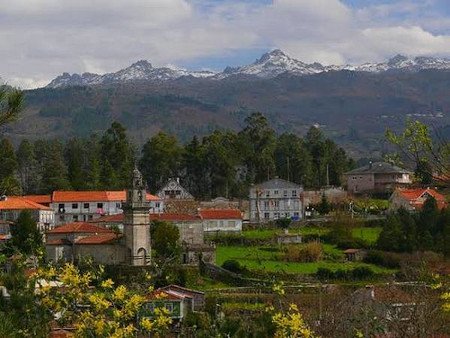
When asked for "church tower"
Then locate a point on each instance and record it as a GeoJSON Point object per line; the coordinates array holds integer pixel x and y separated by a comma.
{"type": "Point", "coordinates": [137, 222]}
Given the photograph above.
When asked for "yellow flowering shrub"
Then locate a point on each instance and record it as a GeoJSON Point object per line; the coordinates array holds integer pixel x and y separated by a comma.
{"type": "Point", "coordinates": [102, 311]}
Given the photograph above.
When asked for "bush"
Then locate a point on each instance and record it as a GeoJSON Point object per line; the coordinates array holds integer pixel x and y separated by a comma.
{"type": "Point", "coordinates": [310, 252]}
{"type": "Point", "coordinates": [356, 274]}
{"type": "Point", "coordinates": [386, 259]}
{"type": "Point", "coordinates": [283, 222]}
{"type": "Point", "coordinates": [233, 266]}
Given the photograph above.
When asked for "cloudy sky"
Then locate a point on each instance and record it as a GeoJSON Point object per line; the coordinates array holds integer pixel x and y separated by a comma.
{"type": "Point", "coordinates": [40, 39]}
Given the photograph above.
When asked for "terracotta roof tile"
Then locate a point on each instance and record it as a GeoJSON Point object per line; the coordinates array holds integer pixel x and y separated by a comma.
{"type": "Point", "coordinates": [220, 214]}
{"type": "Point", "coordinates": [78, 227]}
{"type": "Point", "coordinates": [174, 217]}
{"type": "Point", "coordinates": [98, 239]}
{"type": "Point", "coordinates": [93, 196]}
{"type": "Point", "coordinates": [414, 196]}
{"type": "Point", "coordinates": [20, 203]}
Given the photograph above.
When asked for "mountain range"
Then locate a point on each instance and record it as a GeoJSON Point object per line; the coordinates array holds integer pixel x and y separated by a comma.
{"type": "Point", "coordinates": [270, 65]}
{"type": "Point", "coordinates": [351, 104]}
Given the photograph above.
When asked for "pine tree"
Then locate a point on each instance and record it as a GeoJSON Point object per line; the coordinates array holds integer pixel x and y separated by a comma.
{"type": "Point", "coordinates": [28, 170]}
{"type": "Point", "coordinates": [76, 164]}
{"type": "Point", "coordinates": [9, 184]}
{"type": "Point", "coordinates": [25, 235]}
{"type": "Point", "coordinates": [54, 175]}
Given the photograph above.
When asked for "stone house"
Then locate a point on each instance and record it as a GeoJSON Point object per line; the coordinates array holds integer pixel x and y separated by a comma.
{"type": "Point", "coordinates": [72, 241]}
{"type": "Point", "coordinates": [413, 199]}
{"type": "Point", "coordinates": [377, 177]}
{"type": "Point", "coordinates": [274, 199]}
{"type": "Point", "coordinates": [12, 206]}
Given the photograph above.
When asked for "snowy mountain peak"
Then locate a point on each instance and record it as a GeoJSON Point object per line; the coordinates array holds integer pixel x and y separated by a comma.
{"type": "Point", "coordinates": [269, 65]}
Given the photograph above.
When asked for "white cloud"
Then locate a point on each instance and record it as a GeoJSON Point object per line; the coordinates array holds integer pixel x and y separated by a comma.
{"type": "Point", "coordinates": [43, 38]}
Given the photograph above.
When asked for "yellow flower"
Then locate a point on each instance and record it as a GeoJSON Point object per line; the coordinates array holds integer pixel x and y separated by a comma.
{"type": "Point", "coordinates": [146, 324]}
{"type": "Point", "coordinates": [107, 284]}
{"type": "Point", "coordinates": [120, 293]}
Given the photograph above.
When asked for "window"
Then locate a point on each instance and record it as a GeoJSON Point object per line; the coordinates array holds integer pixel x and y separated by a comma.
{"type": "Point", "coordinates": [90, 217]}
{"type": "Point", "coordinates": [86, 205]}
{"type": "Point", "coordinates": [267, 193]}
{"type": "Point", "coordinates": [149, 307]}
{"type": "Point", "coordinates": [74, 205]}
{"type": "Point", "coordinates": [118, 205]}
{"type": "Point", "coordinates": [75, 218]}
{"type": "Point", "coordinates": [285, 193]}
{"type": "Point", "coordinates": [294, 193]}
{"type": "Point", "coordinates": [276, 204]}
{"type": "Point", "coordinates": [169, 307]}
{"type": "Point", "coordinates": [276, 215]}
{"type": "Point", "coordinates": [157, 204]}
{"type": "Point", "coordinates": [61, 207]}
{"type": "Point", "coordinates": [178, 192]}
{"type": "Point", "coordinates": [276, 192]}
{"type": "Point", "coordinates": [99, 205]}
{"type": "Point", "coordinates": [266, 204]}
{"type": "Point", "coordinates": [231, 224]}
{"type": "Point", "coordinates": [266, 215]}
{"type": "Point", "coordinates": [296, 214]}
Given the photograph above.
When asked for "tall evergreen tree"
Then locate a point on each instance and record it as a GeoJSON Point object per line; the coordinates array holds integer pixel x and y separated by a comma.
{"type": "Point", "coordinates": [26, 237]}
{"type": "Point", "coordinates": [257, 144]}
{"type": "Point", "coordinates": [11, 104]}
{"type": "Point", "coordinates": [9, 183]}
{"type": "Point", "coordinates": [29, 173]}
{"type": "Point", "coordinates": [76, 164]}
{"type": "Point", "coordinates": [54, 173]}
{"type": "Point", "coordinates": [161, 159]}
{"type": "Point", "coordinates": [117, 157]}
{"type": "Point", "coordinates": [193, 162]}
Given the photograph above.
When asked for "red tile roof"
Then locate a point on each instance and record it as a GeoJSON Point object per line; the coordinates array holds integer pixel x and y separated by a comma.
{"type": "Point", "coordinates": [20, 203]}
{"type": "Point", "coordinates": [94, 196]}
{"type": "Point", "coordinates": [98, 239]}
{"type": "Point", "coordinates": [220, 214]}
{"type": "Point", "coordinates": [414, 196]}
{"type": "Point", "coordinates": [174, 217]}
{"type": "Point", "coordinates": [170, 217]}
{"type": "Point", "coordinates": [78, 227]}
{"type": "Point", "coordinates": [42, 199]}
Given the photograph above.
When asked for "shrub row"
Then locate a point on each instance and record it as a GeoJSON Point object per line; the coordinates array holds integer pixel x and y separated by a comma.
{"type": "Point", "coordinates": [356, 274]}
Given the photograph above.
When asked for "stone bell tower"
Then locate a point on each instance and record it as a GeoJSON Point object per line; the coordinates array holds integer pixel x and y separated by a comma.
{"type": "Point", "coordinates": [137, 222]}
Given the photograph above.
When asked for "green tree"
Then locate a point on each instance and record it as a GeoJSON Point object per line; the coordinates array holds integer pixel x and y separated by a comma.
{"type": "Point", "coordinates": [28, 170]}
{"type": "Point", "coordinates": [257, 145]}
{"type": "Point", "coordinates": [76, 164]}
{"type": "Point", "coordinates": [324, 207]}
{"type": "Point", "coordinates": [292, 160]}
{"type": "Point", "coordinates": [193, 162]}
{"type": "Point", "coordinates": [117, 157]}
{"type": "Point", "coordinates": [161, 159]}
{"type": "Point", "coordinates": [165, 239]}
{"type": "Point", "coordinates": [54, 170]}
{"type": "Point", "coordinates": [26, 237]}
{"type": "Point", "coordinates": [9, 184]}
{"type": "Point", "coordinates": [417, 145]}
{"type": "Point", "coordinates": [391, 236]}
{"type": "Point", "coordinates": [11, 104]}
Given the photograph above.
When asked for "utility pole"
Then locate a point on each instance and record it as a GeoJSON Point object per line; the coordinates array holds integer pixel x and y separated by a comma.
{"type": "Point", "coordinates": [288, 169]}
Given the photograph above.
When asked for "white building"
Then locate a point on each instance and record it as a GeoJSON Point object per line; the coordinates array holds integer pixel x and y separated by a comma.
{"type": "Point", "coordinates": [274, 199]}
{"type": "Point", "coordinates": [174, 191]}
{"type": "Point", "coordinates": [223, 220]}
{"type": "Point", "coordinates": [12, 206]}
{"type": "Point", "coordinates": [75, 206]}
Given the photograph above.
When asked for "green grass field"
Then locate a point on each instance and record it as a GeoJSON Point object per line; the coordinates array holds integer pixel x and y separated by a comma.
{"type": "Point", "coordinates": [260, 258]}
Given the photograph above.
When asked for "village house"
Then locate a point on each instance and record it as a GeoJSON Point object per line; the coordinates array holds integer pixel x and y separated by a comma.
{"type": "Point", "coordinates": [221, 220]}
{"type": "Point", "coordinates": [413, 199]}
{"type": "Point", "coordinates": [275, 199]}
{"type": "Point", "coordinates": [12, 206]}
{"type": "Point", "coordinates": [74, 206]}
{"type": "Point", "coordinates": [173, 190]}
{"type": "Point", "coordinates": [377, 177]}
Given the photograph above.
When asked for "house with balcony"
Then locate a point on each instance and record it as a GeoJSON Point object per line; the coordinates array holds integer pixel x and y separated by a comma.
{"type": "Point", "coordinates": [275, 199]}
{"type": "Point", "coordinates": [83, 206]}
{"type": "Point", "coordinates": [377, 177]}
